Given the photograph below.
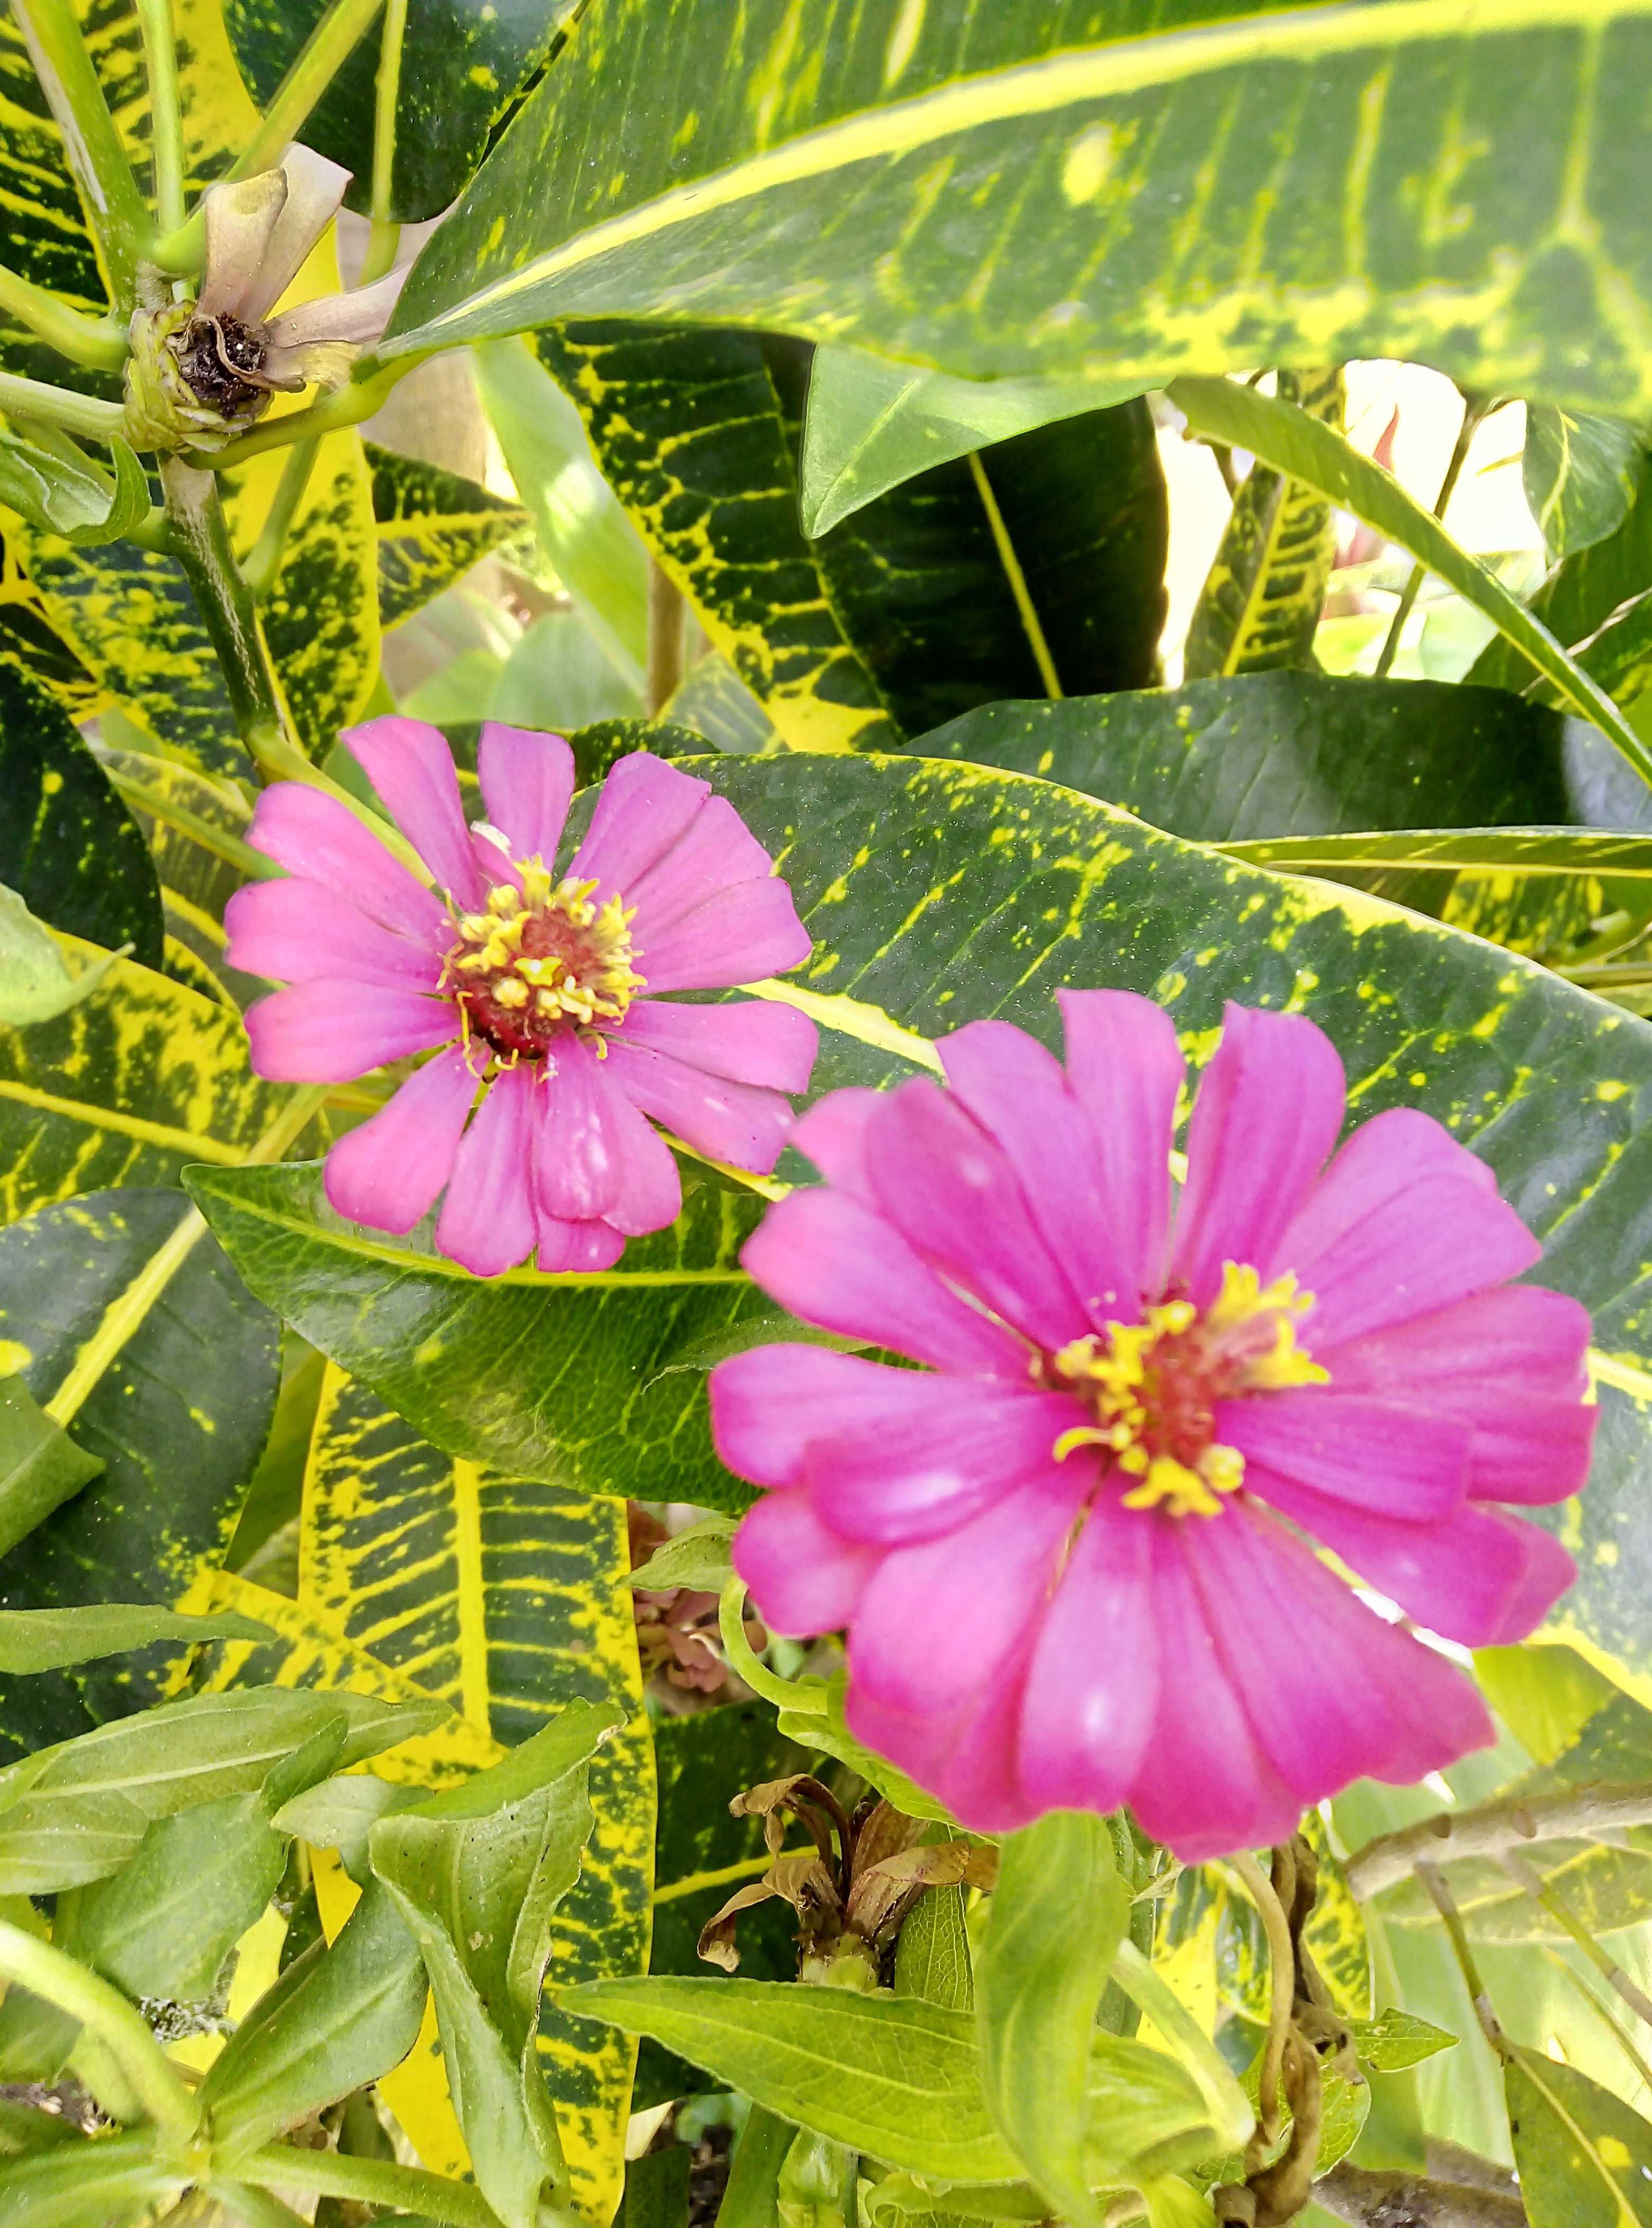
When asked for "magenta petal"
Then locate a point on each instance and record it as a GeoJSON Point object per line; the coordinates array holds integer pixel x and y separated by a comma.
{"type": "Point", "coordinates": [1267, 1114]}
{"type": "Point", "coordinates": [834, 1262]}
{"type": "Point", "coordinates": [651, 1190]}
{"type": "Point", "coordinates": [769, 1045]}
{"type": "Point", "coordinates": [953, 1194]}
{"type": "Point", "coordinates": [318, 837]}
{"type": "Point", "coordinates": [1126, 1070]}
{"type": "Point", "coordinates": [738, 935]}
{"type": "Point", "coordinates": [588, 1247]}
{"type": "Point", "coordinates": [1017, 1092]}
{"type": "Point", "coordinates": [715, 850]}
{"type": "Point", "coordinates": [331, 1031]}
{"type": "Point", "coordinates": [1400, 1460]}
{"type": "Point", "coordinates": [388, 1172]}
{"type": "Point", "coordinates": [833, 1133]}
{"type": "Point", "coordinates": [726, 1120]}
{"type": "Point", "coordinates": [1094, 1685]}
{"type": "Point", "coordinates": [577, 1144]}
{"type": "Point", "coordinates": [644, 808]}
{"type": "Point", "coordinates": [526, 782]}
{"type": "Point", "coordinates": [971, 1763]}
{"type": "Point", "coordinates": [1331, 1691]}
{"type": "Point", "coordinates": [951, 1449]}
{"type": "Point", "coordinates": [1469, 1577]}
{"type": "Point", "coordinates": [1203, 1786]}
{"type": "Point", "coordinates": [487, 1222]}
{"type": "Point", "coordinates": [1439, 1243]}
{"type": "Point", "coordinates": [1380, 1164]}
{"type": "Point", "coordinates": [1522, 1334]}
{"type": "Point", "coordinates": [803, 1578]}
{"type": "Point", "coordinates": [294, 931]}
{"type": "Point", "coordinates": [411, 768]}
{"type": "Point", "coordinates": [766, 1405]}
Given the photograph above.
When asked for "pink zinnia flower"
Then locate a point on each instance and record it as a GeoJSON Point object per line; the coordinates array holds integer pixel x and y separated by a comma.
{"type": "Point", "coordinates": [1071, 1553]}
{"type": "Point", "coordinates": [529, 983]}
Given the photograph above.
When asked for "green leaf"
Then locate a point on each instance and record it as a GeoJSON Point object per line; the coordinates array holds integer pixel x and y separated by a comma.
{"type": "Point", "coordinates": [1280, 434]}
{"type": "Point", "coordinates": [36, 981]}
{"type": "Point", "coordinates": [892, 2075]}
{"type": "Point", "coordinates": [714, 702]}
{"type": "Point", "coordinates": [1525, 851]}
{"type": "Point", "coordinates": [140, 1078]}
{"type": "Point", "coordinates": [558, 677]}
{"type": "Point", "coordinates": [932, 1956]}
{"type": "Point", "coordinates": [1546, 1696]}
{"type": "Point", "coordinates": [432, 526]}
{"type": "Point", "coordinates": [581, 529]}
{"type": "Point", "coordinates": [871, 424]}
{"type": "Point", "coordinates": [337, 2019]}
{"type": "Point", "coordinates": [1147, 2115]}
{"type": "Point", "coordinates": [1058, 1915]}
{"type": "Point", "coordinates": [1261, 603]}
{"type": "Point", "coordinates": [65, 493]}
{"type": "Point", "coordinates": [49, 1639]}
{"type": "Point", "coordinates": [1582, 593]}
{"type": "Point", "coordinates": [1604, 1888]}
{"type": "Point", "coordinates": [697, 1558]}
{"type": "Point", "coordinates": [1581, 475]}
{"type": "Point", "coordinates": [1397, 2039]}
{"type": "Point", "coordinates": [656, 2189]}
{"type": "Point", "coordinates": [119, 2183]}
{"type": "Point", "coordinates": [41, 1468]}
{"type": "Point", "coordinates": [176, 1443]}
{"type": "Point", "coordinates": [28, 639]}
{"type": "Point", "coordinates": [462, 67]}
{"type": "Point", "coordinates": [69, 845]}
{"type": "Point", "coordinates": [1015, 196]}
{"type": "Point", "coordinates": [749, 2200]}
{"type": "Point", "coordinates": [1584, 2158]}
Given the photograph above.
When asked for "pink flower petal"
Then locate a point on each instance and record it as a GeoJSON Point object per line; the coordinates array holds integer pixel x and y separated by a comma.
{"type": "Point", "coordinates": [527, 782]}
{"type": "Point", "coordinates": [971, 1764]}
{"type": "Point", "coordinates": [318, 837]}
{"type": "Point", "coordinates": [803, 1578]}
{"type": "Point", "coordinates": [577, 1146]}
{"type": "Point", "coordinates": [293, 931]}
{"type": "Point", "coordinates": [714, 851]}
{"type": "Point", "coordinates": [1267, 1114]}
{"type": "Point", "coordinates": [411, 768]}
{"type": "Point", "coordinates": [954, 1447]}
{"type": "Point", "coordinates": [1471, 1577]}
{"type": "Point", "coordinates": [739, 935]}
{"type": "Point", "coordinates": [331, 1031]}
{"type": "Point", "coordinates": [726, 1120]}
{"type": "Point", "coordinates": [1203, 1787]}
{"type": "Point", "coordinates": [487, 1222]}
{"type": "Point", "coordinates": [1332, 1692]}
{"type": "Point", "coordinates": [834, 1263]}
{"type": "Point", "coordinates": [388, 1172]}
{"type": "Point", "coordinates": [953, 1195]}
{"type": "Point", "coordinates": [1092, 1687]}
{"type": "Point", "coordinates": [1017, 1092]}
{"type": "Point", "coordinates": [1522, 1334]}
{"type": "Point", "coordinates": [588, 1247]}
{"type": "Point", "coordinates": [1379, 1164]}
{"type": "Point", "coordinates": [756, 1041]}
{"type": "Point", "coordinates": [1126, 1069]}
{"type": "Point", "coordinates": [1440, 1241]}
{"type": "Point", "coordinates": [832, 1134]}
{"type": "Point", "coordinates": [1401, 1462]}
{"type": "Point", "coordinates": [768, 1404]}
{"type": "Point", "coordinates": [644, 808]}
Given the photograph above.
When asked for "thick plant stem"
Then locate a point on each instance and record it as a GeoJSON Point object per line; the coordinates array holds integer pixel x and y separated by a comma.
{"type": "Point", "coordinates": [737, 1653]}
{"type": "Point", "coordinates": [166, 115]}
{"type": "Point", "coordinates": [1582, 1813]}
{"type": "Point", "coordinates": [1370, 2198]}
{"type": "Point", "coordinates": [201, 542]}
{"type": "Point", "coordinates": [101, 342]}
{"type": "Point", "coordinates": [123, 2031]}
{"type": "Point", "coordinates": [51, 31]}
{"type": "Point", "coordinates": [349, 406]}
{"type": "Point", "coordinates": [85, 414]}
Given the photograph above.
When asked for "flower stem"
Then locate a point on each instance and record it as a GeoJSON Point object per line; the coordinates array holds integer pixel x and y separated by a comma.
{"type": "Point", "coordinates": [329, 45]}
{"type": "Point", "coordinates": [166, 115]}
{"type": "Point", "coordinates": [371, 2181]}
{"type": "Point", "coordinates": [737, 1653]}
{"type": "Point", "coordinates": [85, 414]}
{"type": "Point", "coordinates": [386, 235]}
{"type": "Point", "coordinates": [1282, 1962]}
{"type": "Point", "coordinates": [1434, 1880]}
{"type": "Point", "coordinates": [92, 146]}
{"type": "Point", "coordinates": [70, 1987]}
{"type": "Point", "coordinates": [264, 560]}
{"type": "Point", "coordinates": [101, 342]}
{"type": "Point", "coordinates": [201, 545]}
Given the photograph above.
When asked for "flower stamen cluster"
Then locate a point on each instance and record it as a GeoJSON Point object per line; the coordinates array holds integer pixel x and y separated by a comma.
{"type": "Point", "coordinates": [1153, 1387]}
{"type": "Point", "coordinates": [541, 956]}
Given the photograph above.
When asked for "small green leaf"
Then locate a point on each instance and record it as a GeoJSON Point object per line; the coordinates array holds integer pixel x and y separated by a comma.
{"type": "Point", "coordinates": [1584, 2158]}
{"type": "Point", "coordinates": [827, 1732]}
{"type": "Point", "coordinates": [49, 1639]}
{"type": "Point", "coordinates": [1144, 2114]}
{"type": "Point", "coordinates": [895, 2077]}
{"type": "Point", "coordinates": [1058, 1915]}
{"type": "Point", "coordinates": [697, 1558]}
{"type": "Point", "coordinates": [1581, 475]}
{"type": "Point", "coordinates": [65, 493]}
{"type": "Point", "coordinates": [1396, 2040]}
{"type": "Point", "coordinates": [41, 1468]}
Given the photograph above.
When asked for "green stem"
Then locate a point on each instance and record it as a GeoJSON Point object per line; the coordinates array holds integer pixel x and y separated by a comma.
{"type": "Point", "coordinates": [1434, 1880]}
{"type": "Point", "coordinates": [264, 560]}
{"type": "Point", "coordinates": [219, 841]}
{"type": "Point", "coordinates": [737, 1653]}
{"type": "Point", "coordinates": [1475, 411]}
{"type": "Point", "coordinates": [70, 1987]}
{"type": "Point", "coordinates": [386, 235]}
{"type": "Point", "coordinates": [361, 399]}
{"type": "Point", "coordinates": [92, 146]}
{"type": "Point", "coordinates": [369, 2181]}
{"type": "Point", "coordinates": [76, 413]}
{"type": "Point", "coordinates": [200, 541]}
{"type": "Point", "coordinates": [101, 342]}
{"type": "Point", "coordinates": [166, 115]}
{"type": "Point", "coordinates": [329, 45]}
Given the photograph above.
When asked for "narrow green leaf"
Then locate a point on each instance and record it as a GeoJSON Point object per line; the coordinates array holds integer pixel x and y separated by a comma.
{"type": "Point", "coordinates": [118, 2183]}
{"type": "Point", "coordinates": [1584, 2158]}
{"type": "Point", "coordinates": [1288, 439]}
{"type": "Point", "coordinates": [1544, 851]}
{"type": "Point", "coordinates": [894, 2077]}
{"type": "Point", "coordinates": [1058, 1914]}
{"type": "Point", "coordinates": [750, 2199]}
{"type": "Point", "coordinates": [1580, 474]}
{"type": "Point", "coordinates": [41, 1468]}
{"type": "Point", "coordinates": [47, 1639]}
{"type": "Point", "coordinates": [656, 2189]}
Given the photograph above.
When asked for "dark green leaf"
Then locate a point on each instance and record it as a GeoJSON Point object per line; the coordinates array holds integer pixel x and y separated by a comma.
{"type": "Point", "coordinates": [49, 1639]}
{"type": "Point", "coordinates": [41, 1468]}
{"type": "Point", "coordinates": [69, 845]}
{"type": "Point", "coordinates": [1057, 1916]}
{"type": "Point", "coordinates": [656, 2189]}
{"type": "Point", "coordinates": [894, 2077]}
{"type": "Point", "coordinates": [462, 66]}
{"type": "Point", "coordinates": [432, 527]}
{"type": "Point", "coordinates": [596, 747]}
{"type": "Point", "coordinates": [1584, 2158]}
{"type": "Point", "coordinates": [178, 1437]}
{"type": "Point", "coordinates": [1038, 190]}
{"type": "Point", "coordinates": [1581, 475]}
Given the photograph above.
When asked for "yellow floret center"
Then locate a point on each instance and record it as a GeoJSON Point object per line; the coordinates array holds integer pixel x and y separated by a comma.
{"type": "Point", "coordinates": [541, 956]}
{"type": "Point", "coordinates": [1152, 1387]}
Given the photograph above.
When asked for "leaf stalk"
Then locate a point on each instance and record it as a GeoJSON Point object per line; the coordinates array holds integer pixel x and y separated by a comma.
{"type": "Point", "coordinates": [100, 342]}
{"type": "Point", "coordinates": [85, 414]}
